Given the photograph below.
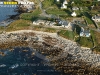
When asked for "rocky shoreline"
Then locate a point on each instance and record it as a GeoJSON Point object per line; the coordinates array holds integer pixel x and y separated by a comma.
{"type": "Point", "coordinates": [51, 45]}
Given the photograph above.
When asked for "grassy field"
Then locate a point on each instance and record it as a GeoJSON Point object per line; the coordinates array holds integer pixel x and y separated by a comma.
{"type": "Point", "coordinates": [93, 34]}
{"type": "Point", "coordinates": [97, 39]}
{"type": "Point", "coordinates": [26, 24]}
{"type": "Point", "coordinates": [2, 29]}
{"type": "Point", "coordinates": [67, 34]}
{"type": "Point", "coordinates": [29, 16]}
{"type": "Point", "coordinates": [51, 30]}
{"type": "Point", "coordinates": [88, 17]}
{"type": "Point", "coordinates": [18, 24]}
{"type": "Point", "coordinates": [56, 11]}
{"type": "Point", "coordinates": [47, 3]}
{"type": "Point", "coordinates": [89, 21]}
{"type": "Point", "coordinates": [85, 41]}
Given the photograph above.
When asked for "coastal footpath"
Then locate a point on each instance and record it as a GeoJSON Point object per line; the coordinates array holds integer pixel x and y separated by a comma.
{"type": "Point", "coordinates": [30, 37]}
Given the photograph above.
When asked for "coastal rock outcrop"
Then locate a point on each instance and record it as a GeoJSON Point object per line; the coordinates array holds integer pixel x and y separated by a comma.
{"type": "Point", "coordinates": [55, 48]}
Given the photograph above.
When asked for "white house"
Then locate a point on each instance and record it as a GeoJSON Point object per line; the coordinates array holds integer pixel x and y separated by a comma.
{"type": "Point", "coordinates": [39, 22]}
{"type": "Point", "coordinates": [65, 2]}
{"type": "Point", "coordinates": [84, 32]}
{"type": "Point", "coordinates": [44, 22]}
{"type": "Point", "coordinates": [72, 2]}
{"type": "Point", "coordinates": [64, 5]}
{"type": "Point", "coordinates": [75, 8]}
{"type": "Point", "coordinates": [65, 24]}
{"type": "Point", "coordinates": [57, 0]}
{"type": "Point", "coordinates": [73, 14]}
{"type": "Point", "coordinates": [96, 18]}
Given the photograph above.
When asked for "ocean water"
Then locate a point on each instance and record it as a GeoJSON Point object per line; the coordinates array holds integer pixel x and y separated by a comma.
{"type": "Point", "coordinates": [6, 10]}
{"type": "Point", "coordinates": [19, 62]}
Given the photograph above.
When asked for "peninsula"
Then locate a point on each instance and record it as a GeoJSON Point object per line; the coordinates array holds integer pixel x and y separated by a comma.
{"type": "Point", "coordinates": [63, 33]}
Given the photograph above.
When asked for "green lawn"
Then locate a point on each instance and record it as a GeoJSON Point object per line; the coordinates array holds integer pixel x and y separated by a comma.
{"type": "Point", "coordinates": [89, 21]}
{"type": "Point", "coordinates": [88, 17]}
{"type": "Point", "coordinates": [18, 24]}
{"type": "Point", "coordinates": [1, 29]}
{"type": "Point", "coordinates": [85, 41]}
{"type": "Point", "coordinates": [56, 11]}
{"type": "Point", "coordinates": [29, 16]}
{"type": "Point", "coordinates": [47, 3]}
{"type": "Point", "coordinates": [67, 34]}
{"type": "Point", "coordinates": [51, 30]}
{"type": "Point", "coordinates": [94, 37]}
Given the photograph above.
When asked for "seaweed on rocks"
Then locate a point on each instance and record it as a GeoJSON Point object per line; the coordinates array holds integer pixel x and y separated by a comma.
{"type": "Point", "coordinates": [61, 60]}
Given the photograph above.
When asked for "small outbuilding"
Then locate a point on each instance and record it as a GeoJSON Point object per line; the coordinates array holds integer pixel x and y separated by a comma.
{"type": "Point", "coordinates": [64, 5]}
{"type": "Point", "coordinates": [75, 8]}
{"type": "Point", "coordinates": [96, 18]}
{"type": "Point", "coordinates": [73, 14]}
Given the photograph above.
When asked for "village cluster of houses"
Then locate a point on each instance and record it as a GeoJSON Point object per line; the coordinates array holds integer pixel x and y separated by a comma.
{"type": "Point", "coordinates": [74, 8]}
{"type": "Point", "coordinates": [63, 23]}
{"type": "Point", "coordinates": [64, 6]}
{"type": "Point", "coordinates": [84, 32]}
